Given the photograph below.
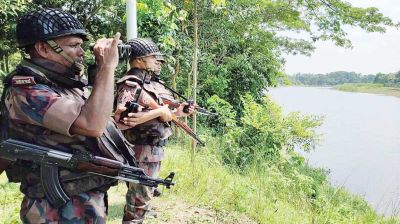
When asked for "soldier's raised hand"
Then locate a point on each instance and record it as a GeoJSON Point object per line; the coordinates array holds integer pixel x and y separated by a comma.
{"type": "Point", "coordinates": [106, 51]}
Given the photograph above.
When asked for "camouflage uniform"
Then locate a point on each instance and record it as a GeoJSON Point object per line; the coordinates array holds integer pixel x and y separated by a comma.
{"type": "Point", "coordinates": [41, 111]}
{"type": "Point", "coordinates": [83, 208]}
{"type": "Point", "coordinates": [148, 138]}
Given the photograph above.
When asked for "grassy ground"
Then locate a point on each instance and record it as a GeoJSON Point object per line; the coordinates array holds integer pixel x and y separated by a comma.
{"type": "Point", "coordinates": [208, 192]}
{"type": "Point", "coordinates": [10, 198]}
{"type": "Point", "coordinates": [369, 88]}
{"type": "Point", "coordinates": [169, 208]}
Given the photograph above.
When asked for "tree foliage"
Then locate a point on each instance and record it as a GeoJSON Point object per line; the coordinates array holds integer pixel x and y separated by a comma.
{"type": "Point", "coordinates": [342, 77]}
{"type": "Point", "coordinates": [240, 42]}
{"type": "Point", "coordinates": [265, 134]}
{"type": "Point", "coordinates": [331, 79]}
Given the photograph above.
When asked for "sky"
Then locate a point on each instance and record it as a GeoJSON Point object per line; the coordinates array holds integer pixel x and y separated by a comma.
{"type": "Point", "coordinates": [371, 52]}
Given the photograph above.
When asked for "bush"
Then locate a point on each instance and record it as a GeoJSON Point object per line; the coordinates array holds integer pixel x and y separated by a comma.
{"type": "Point", "coordinates": [265, 134]}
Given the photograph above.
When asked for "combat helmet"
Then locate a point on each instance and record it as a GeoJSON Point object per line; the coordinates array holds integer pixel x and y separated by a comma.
{"type": "Point", "coordinates": [47, 24]}
{"type": "Point", "coordinates": [143, 47]}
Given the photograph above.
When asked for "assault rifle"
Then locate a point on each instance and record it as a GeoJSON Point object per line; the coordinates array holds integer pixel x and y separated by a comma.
{"type": "Point", "coordinates": [50, 160]}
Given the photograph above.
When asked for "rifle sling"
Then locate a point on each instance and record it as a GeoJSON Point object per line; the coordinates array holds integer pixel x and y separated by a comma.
{"type": "Point", "coordinates": [121, 144]}
{"type": "Point", "coordinates": [172, 90]}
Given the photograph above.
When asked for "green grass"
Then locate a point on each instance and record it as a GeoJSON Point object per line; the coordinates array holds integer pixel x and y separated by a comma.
{"type": "Point", "coordinates": [369, 88]}
{"type": "Point", "coordinates": [10, 199]}
{"type": "Point", "coordinates": [260, 194]}
{"type": "Point", "coordinates": [266, 194]}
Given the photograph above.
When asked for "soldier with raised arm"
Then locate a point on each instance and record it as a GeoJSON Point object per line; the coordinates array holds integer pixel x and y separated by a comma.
{"type": "Point", "coordinates": [44, 102]}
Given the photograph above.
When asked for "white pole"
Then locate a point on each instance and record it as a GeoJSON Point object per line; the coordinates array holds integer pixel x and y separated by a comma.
{"type": "Point", "coordinates": [131, 21]}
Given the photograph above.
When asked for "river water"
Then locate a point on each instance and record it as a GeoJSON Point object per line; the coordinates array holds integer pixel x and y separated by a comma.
{"type": "Point", "coordinates": [360, 140]}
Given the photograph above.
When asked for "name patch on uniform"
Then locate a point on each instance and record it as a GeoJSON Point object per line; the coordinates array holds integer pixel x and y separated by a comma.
{"type": "Point", "coordinates": [23, 81]}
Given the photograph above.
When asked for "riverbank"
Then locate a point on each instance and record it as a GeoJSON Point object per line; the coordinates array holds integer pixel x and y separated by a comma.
{"type": "Point", "coordinates": [369, 88]}
{"type": "Point", "coordinates": [209, 192]}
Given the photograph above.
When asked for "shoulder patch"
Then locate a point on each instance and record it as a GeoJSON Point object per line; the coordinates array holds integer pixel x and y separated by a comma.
{"type": "Point", "coordinates": [23, 81]}
{"type": "Point", "coordinates": [131, 84]}
{"type": "Point", "coordinates": [130, 78]}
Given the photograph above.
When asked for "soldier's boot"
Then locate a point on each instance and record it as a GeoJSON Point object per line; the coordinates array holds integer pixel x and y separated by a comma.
{"type": "Point", "coordinates": [134, 214]}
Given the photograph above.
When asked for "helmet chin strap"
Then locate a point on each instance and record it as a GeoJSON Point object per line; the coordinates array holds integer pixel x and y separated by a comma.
{"type": "Point", "coordinates": [76, 67]}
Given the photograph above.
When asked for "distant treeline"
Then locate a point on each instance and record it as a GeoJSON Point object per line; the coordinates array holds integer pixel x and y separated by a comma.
{"type": "Point", "coordinates": [341, 77]}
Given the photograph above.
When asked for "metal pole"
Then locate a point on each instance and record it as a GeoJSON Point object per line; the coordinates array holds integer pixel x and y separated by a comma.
{"type": "Point", "coordinates": [131, 20]}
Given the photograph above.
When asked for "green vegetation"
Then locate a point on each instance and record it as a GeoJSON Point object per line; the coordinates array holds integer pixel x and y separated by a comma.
{"type": "Point", "coordinates": [271, 185]}
{"type": "Point", "coordinates": [249, 165]}
{"type": "Point", "coordinates": [385, 84]}
{"type": "Point", "coordinates": [240, 43]}
{"type": "Point", "coordinates": [10, 199]}
{"type": "Point", "coordinates": [339, 78]}
{"type": "Point", "coordinates": [370, 88]}
{"type": "Point", "coordinates": [330, 79]}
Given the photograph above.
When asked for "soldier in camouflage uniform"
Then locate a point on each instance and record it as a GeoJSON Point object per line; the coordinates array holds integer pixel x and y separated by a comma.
{"type": "Point", "coordinates": [148, 130]}
{"type": "Point", "coordinates": [45, 102]}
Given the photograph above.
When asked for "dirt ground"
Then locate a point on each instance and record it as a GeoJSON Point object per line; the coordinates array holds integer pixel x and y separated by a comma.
{"type": "Point", "coordinates": [173, 210]}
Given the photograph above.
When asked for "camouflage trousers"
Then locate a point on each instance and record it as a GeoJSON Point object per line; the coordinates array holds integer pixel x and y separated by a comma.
{"type": "Point", "coordinates": [85, 208]}
{"type": "Point", "coordinates": [138, 196]}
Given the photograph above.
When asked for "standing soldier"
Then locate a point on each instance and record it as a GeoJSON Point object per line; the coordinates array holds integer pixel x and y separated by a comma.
{"type": "Point", "coordinates": [148, 130]}
{"type": "Point", "coordinates": [44, 103]}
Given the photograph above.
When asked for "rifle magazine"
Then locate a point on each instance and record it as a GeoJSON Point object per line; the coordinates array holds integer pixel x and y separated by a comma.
{"type": "Point", "coordinates": [54, 192]}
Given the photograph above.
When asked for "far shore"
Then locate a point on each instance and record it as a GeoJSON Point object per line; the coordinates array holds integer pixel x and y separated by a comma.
{"type": "Point", "coordinates": [369, 88]}
{"type": "Point", "coordinates": [363, 88]}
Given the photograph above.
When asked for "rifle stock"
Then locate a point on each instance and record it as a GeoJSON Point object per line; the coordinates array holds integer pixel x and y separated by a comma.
{"type": "Point", "coordinates": [147, 101]}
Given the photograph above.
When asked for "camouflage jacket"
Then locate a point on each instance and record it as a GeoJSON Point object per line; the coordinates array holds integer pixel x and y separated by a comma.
{"type": "Point", "coordinates": [154, 132]}
{"type": "Point", "coordinates": [40, 111]}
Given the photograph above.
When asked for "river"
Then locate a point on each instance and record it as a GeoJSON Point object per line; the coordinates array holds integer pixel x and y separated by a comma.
{"type": "Point", "coordinates": [360, 140]}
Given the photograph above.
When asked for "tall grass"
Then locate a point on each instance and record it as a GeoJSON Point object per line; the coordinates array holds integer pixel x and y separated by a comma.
{"type": "Point", "coordinates": [10, 199]}
{"type": "Point", "coordinates": [264, 192]}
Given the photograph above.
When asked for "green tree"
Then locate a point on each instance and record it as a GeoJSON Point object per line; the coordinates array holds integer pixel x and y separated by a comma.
{"type": "Point", "coordinates": [386, 79]}
{"type": "Point", "coordinates": [397, 78]}
{"type": "Point", "coordinates": [240, 42]}
{"type": "Point", "coordinates": [9, 12]}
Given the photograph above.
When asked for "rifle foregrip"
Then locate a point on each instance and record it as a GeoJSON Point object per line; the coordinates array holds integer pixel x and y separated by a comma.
{"type": "Point", "coordinates": [53, 190]}
{"type": "Point", "coordinates": [131, 107]}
